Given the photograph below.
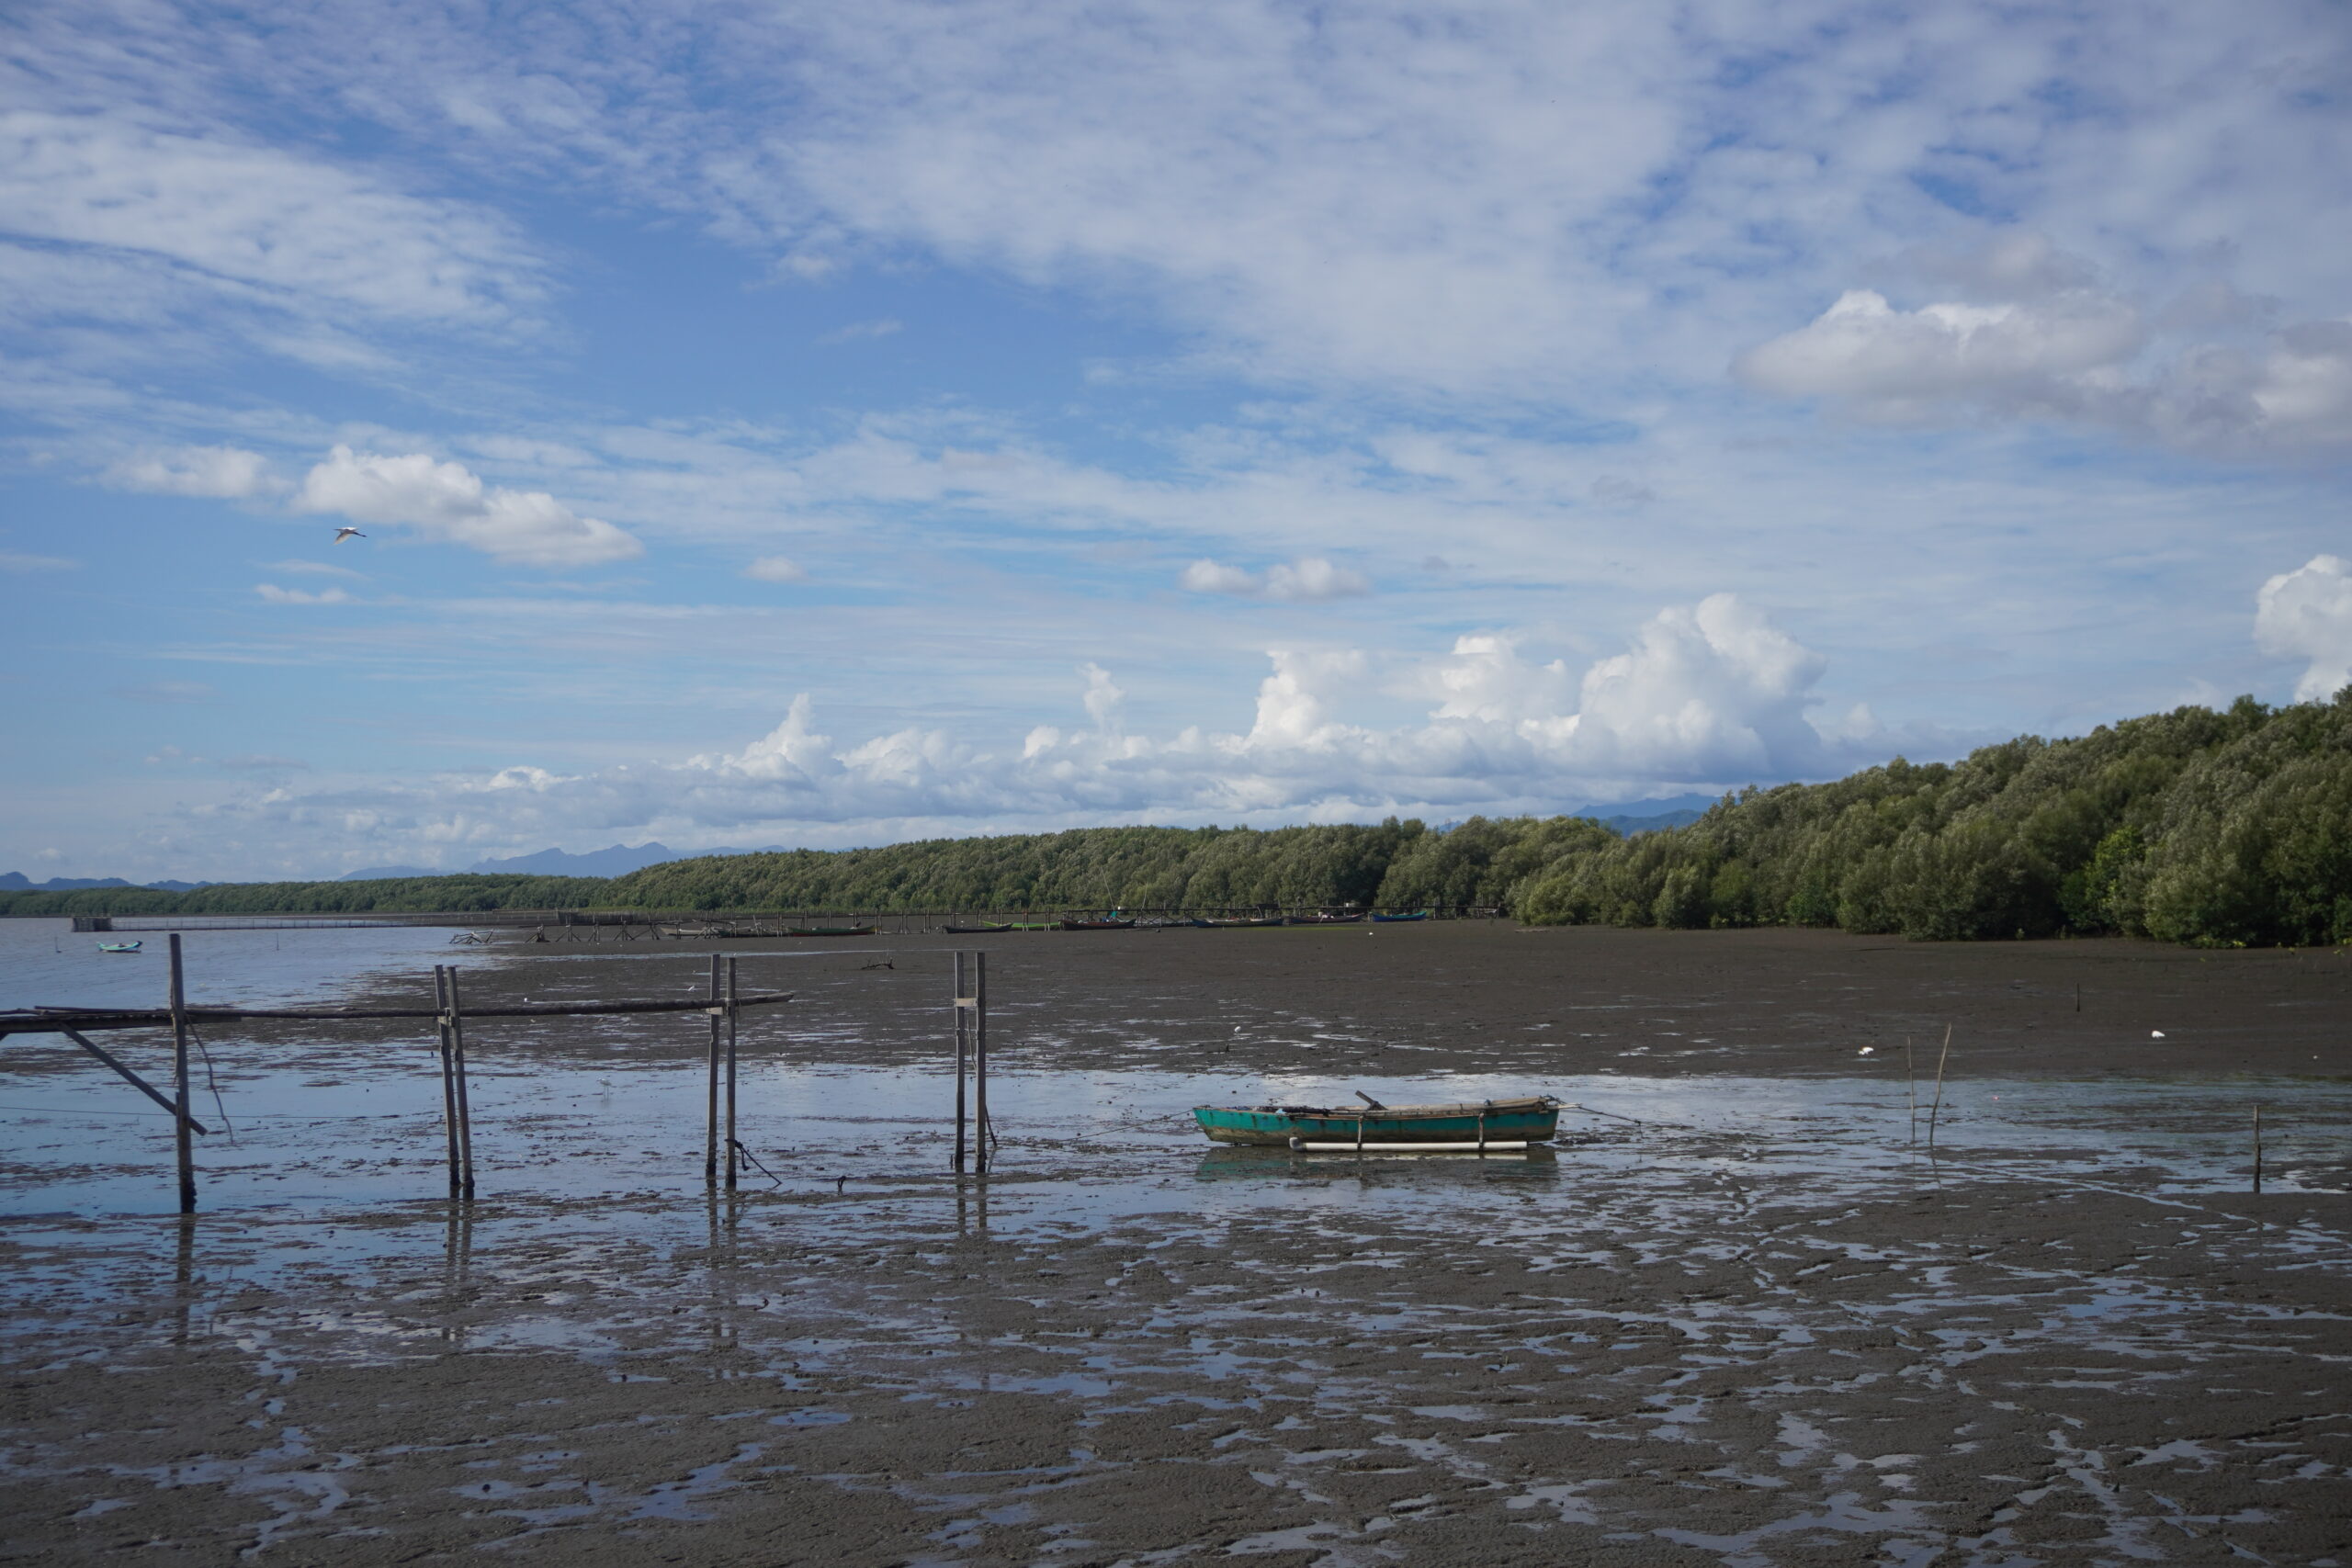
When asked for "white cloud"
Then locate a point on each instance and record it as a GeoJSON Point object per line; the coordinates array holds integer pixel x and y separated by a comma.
{"type": "Point", "coordinates": [1710, 695]}
{"type": "Point", "coordinates": [1308, 578]}
{"type": "Point", "coordinates": [886, 326]}
{"type": "Point", "coordinates": [2035, 335]}
{"type": "Point", "coordinates": [14, 560]}
{"type": "Point", "coordinates": [224, 473]}
{"type": "Point", "coordinates": [776, 568]}
{"type": "Point", "coordinates": [254, 227]}
{"type": "Point", "coordinates": [446, 501]}
{"type": "Point", "coordinates": [1215, 577]}
{"type": "Point", "coordinates": [271, 593]}
{"type": "Point", "coordinates": [2307, 613]}
{"type": "Point", "coordinates": [1863, 349]}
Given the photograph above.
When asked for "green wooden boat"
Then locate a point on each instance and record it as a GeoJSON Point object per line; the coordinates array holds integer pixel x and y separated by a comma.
{"type": "Point", "coordinates": [1530, 1118]}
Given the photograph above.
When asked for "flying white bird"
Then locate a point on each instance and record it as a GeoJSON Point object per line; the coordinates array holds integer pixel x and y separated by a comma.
{"type": "Point", "coordinates": [2155, 1034]}
{"type": "Point", "coordinates": [1865, 1050]}
{"type": "Point", "coordinates": [343, 534]}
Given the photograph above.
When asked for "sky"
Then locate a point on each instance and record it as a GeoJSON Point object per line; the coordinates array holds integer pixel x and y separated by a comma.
{"type": "Point", "coordinates": [829, 424]}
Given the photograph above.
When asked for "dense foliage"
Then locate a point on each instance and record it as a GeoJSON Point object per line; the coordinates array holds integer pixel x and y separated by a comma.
{"type": "Point", "coordinates": [2217, 828]}
{"type": "Point", "coordinates": [2192, 825]}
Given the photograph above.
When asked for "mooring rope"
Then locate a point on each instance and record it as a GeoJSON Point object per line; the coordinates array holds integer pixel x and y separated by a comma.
{"type": "Point", "coordinates": [748, 1154]}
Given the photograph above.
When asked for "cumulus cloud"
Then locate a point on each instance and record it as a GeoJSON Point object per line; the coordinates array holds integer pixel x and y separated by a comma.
{"type": "Point", "coordinates": [2034, 333]}
{"type": "Point", "coordinates": [447, 502]}
{"type": "Point", "coordinates": [1306, 579]}
{"type": "Point", "coordinates": [271, 593]}
{"type": "Point", "coordinates": [1708, 694]}
{"type": "Point", "coordinates": [2307, 615]}
{"type": "Point", "coordinates": [222, 473]}
{"type": "Point", "coordinates": [776, 568]}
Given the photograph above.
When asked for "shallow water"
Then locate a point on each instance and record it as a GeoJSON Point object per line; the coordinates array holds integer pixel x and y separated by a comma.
{"type": "Point", "coordinates": [1758, 1322]}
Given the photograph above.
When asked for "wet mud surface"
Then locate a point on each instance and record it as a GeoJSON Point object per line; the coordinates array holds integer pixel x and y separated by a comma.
{"type": "Point", "coordinates": [1760, 1324]}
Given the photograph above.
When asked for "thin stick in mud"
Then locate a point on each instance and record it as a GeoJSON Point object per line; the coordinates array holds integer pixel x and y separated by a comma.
{"type": "Point", "coordinates": [2257, 1148]}
{"type": "Point", "coordinates": [458, 1073]}
{"type": "Point", "coordinates": [710, 1133]}
{"type": "Point", "coordinates": [1935, 1109]}
{"type": "Point", "coordinates": [181, 1147]}
{"type": "Point", "coordinates": [1911, 1088]}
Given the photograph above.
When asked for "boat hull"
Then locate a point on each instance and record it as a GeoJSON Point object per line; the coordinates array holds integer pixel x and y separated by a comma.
{"type": "Point", "coordinates": [1533, 1119]}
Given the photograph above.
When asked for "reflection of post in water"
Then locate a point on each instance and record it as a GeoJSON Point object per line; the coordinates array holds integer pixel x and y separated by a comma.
{"type": "Point", "coordinates": [456, 1269]}
{"type": "Point", "coordinates": [972, 1206]}
{"type": "Point", "coordinates": [184, 1278]}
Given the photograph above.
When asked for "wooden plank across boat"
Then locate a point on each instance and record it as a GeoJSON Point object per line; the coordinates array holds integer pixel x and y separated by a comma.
{"type": "Point", "coordinates": [1524, 1119]}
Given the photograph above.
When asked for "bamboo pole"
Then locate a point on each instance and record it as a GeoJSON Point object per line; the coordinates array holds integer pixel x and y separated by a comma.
{"type": "Point", "coordinates": [1937, 1109]}
{"type": "Point", "coordinates": [448, 1079]}
{"type": "Point", "coordinates": [183, 1149]}
{"type": "Point", "coordinates": [2257, 1148]}
{"type": "Point", "coordinates": [711, 1120]}
{"type": "Point", "coordinates": [52, 1020]}
{"type": "Point", "coordinates": [983, 1131]}
{"type": "Point", "coordinates": [963, 1047]}
{"type": "Point", "coordinates": [141, 1084]}
{"type": "Point", "coordinates": [457, 1072]}
{"type": "Point", "coordinates": [1911, 1088]}
{"type": "Point", "coordinates": [733, 1162]}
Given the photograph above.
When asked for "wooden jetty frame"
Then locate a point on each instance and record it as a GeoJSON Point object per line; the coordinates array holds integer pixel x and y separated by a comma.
{"type": "Point", "coordinates": [449, 1015]}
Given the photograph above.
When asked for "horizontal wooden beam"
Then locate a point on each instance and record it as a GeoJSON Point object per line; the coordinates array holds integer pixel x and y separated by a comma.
{"type": "Point", "coordinates": [62, 1020]}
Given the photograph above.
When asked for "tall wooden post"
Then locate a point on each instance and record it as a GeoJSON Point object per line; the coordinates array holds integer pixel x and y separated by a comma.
{"type": "Point", "coordinates": [733, 1164]}
{"type": "Point", "coordinates": [448, 1079]}
{"type": "Point", "coordinates": [983, 1130]}
{"type": "Point", "coordinates": [963, 1052]}
{"type": "Point", "coordinates": [710, 1134]}
{"type": "Point", "coordinates": [458, 1073]}
{"type": "Point", "coordinates": [181, 1147]}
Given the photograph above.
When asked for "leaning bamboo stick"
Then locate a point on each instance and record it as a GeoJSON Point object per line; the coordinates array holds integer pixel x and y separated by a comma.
{"type": "Point", "coordinates": [1936, 1107]}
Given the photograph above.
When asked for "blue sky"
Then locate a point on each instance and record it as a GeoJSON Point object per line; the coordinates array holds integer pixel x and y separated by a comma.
{"type": "Point", "coordinates": [835, 424]}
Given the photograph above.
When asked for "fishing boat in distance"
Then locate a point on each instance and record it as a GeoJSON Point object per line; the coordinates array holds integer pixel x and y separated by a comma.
{"type": "Point", "coordinates": [1464, 1126]}
{"type": "Point", "coordinates": [832, 931]}
{"type": "Point", "coordinates": [1322, 919]}
{"type": "Point", "coordinates": [1400, 920]}
{"type": "Point", "coordinates": [1237, 924]}
{"type": "Point", "coordinates": [979, 928]}
{"type": "Point", "coordinates": [118, 947]}
{"type": "Point", "coordinates": [1114, 924]}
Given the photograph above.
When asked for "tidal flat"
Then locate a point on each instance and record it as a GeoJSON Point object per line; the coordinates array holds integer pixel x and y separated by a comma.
{"type": "Point", "coordinates": [1749, 1317]}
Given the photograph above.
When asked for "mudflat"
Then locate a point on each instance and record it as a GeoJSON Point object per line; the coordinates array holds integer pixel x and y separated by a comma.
{"type": "Point", "coordinates": [1750, 1316]}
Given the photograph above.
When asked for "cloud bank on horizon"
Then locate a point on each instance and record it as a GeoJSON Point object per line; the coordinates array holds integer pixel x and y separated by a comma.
{"type": "Point", "coordinates": [1569, 402]}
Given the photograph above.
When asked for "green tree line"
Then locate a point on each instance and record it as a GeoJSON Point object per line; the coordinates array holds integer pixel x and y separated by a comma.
{"type": "Point", "coordinates": [2230, 828]}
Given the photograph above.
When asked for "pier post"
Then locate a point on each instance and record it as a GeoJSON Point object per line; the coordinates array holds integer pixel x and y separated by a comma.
{"type": "Point", "coordinates": [183, 1148]}
{"type": "Point", "coordinates": [956, 1004]}
{"type": "Point", "coordinates": [449, 1078]}
{"type": "Point", "coordinates": [457, 1074]}
{"type": "Point", "coordinates": [710, 1124]}
{"type": "Point", "coordinates": [733, 1162]}
{"type": "Point", "coordinates": [982, 1129]}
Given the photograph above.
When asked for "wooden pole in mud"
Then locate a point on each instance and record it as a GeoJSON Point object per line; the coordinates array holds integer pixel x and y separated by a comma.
{"type": "Point", "coordinates": [710, 1125]}
{"type": "Point", "coordinates": [963, 1048]}
{"type": "Point", "coordinates": [1937, 1109]}
{"type": "Point", "coordinates": [448, 1079]}
{"type": "Point", "coordinates": [457, 1075]}
{"type": "Point", "coordinates": [182, 1149]}
{"type": "Point", "coordinates": [1911, 1088]}
{"type": "Point", "coordinates": [733, 1164]}
{"type": "Point", "coordinates": [2257, 1148]}
{"type": "Point", "coordinates": [983, 1130]}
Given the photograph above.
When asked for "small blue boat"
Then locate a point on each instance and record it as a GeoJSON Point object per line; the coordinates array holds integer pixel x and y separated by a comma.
{"type": "Point", "coordinates": [118, 947]}
{"type": "Point", "coordinates": [1400, 920]}
{"type": "Point", "coordinates": [1525, 1118]}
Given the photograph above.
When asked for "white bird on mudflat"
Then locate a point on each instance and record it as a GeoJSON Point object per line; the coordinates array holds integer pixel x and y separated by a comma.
{"type": "Point", "coordinates": [343, 534]}
{"type": "Point", "coordinates": [1865, 1050]}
